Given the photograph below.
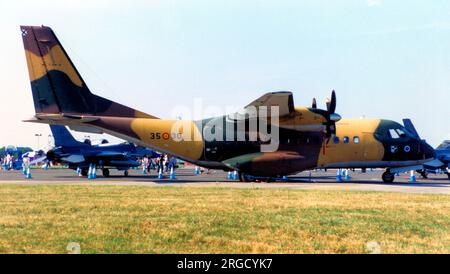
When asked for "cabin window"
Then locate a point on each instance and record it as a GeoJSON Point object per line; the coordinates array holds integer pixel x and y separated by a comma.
{"type": "Point", "coordinates": [346, 140]}
{"type": "Point", "coordinates": [356, 140]}
{"type": "Point", "coordinates": [336, 140]}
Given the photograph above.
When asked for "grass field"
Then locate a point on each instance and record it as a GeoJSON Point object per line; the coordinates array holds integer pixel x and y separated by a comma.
{"type": "Point", "coordinates": [122, 219]}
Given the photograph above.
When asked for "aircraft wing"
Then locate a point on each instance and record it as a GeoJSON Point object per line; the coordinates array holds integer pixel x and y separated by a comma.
{"type": "Point", "coordinates": [108, 154]}
{"type": "Point", "coordinates": [74, 158]}
{"type": "Point", "coordinates": [283, 99]}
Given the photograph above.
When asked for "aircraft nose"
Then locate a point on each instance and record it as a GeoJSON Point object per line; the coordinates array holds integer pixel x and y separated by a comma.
{"type": "Point", "coordinates": [428, 151]}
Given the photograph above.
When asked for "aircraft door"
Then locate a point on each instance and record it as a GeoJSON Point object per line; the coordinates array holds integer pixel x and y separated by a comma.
{"type": "Point", "coordinates": [212, 147]}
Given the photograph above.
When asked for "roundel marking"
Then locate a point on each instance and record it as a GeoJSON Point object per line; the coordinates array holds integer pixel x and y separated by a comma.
{"type": "Point", "coordinates": [407, 149]}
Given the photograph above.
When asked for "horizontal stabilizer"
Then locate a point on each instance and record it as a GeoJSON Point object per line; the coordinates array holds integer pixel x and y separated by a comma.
{"type": "Point", "coordinates": [38, 160]}
{"type": "Point", "coordinates": [86, 129]}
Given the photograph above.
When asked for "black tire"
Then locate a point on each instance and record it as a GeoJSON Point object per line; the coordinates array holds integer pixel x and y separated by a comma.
{"type": "Point", "coordinates": [244, 178]}
{"type": "Point", "coordinates": [423, 173]}
{"type": "Point", "coordinates": [448, 174]}
{"type": "Point", "coordinates": [84, 172]}
{"type": "Point", "coordinates": [125, 173]}
{"type": "Point", "coordinates": [388, 177]}
{"type": "Point", "coordinates": [105, 172]}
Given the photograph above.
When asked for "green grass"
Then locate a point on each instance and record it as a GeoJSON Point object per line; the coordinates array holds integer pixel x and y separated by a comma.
{"type": "Point", "coordinates": [122, 219]}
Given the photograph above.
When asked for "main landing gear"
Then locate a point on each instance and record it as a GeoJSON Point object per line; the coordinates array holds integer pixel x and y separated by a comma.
{"type": "Point", "coordinates": [388, 177]}
{"type": "Point", "coordinates": [105, 172]}
{"type": "Point", "coordinates": [423, 173]}
{"type": "Point", "coordinates": [84, 172]}
{"type": "Point", "coordinates": [249, 178]}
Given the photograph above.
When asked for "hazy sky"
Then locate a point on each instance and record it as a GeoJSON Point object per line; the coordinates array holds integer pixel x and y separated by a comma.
{"type": "Point", "coordinates": [385, 59]}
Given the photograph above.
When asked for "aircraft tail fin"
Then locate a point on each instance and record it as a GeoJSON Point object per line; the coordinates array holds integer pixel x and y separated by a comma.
{"type": "Point", "coordinates": [57, 86]}
{"type": "Point", "coordinates": [63, 137]}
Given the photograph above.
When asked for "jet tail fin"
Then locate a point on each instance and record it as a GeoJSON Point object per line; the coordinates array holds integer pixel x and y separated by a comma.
{"type": "Point", "coordinates": [63, 137]}
{"type": "Point", "coordinates": [56, 84]}
{"type": "Point", "coordinates": [410, 126]}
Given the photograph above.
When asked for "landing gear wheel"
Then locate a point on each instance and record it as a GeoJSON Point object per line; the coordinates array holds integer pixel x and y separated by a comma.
{"type": "Point", "coordinates": [448, 174]}
{"type": "Point", "coordinates": [424, 174]}
{"type": "Point", "coordinates": [105, 172]}
{"type": "Point", "coordinates": [84, 172]}
{"type": "Point", "coordinates": [388, 177]}
{"type": "Point", "coordinates": [243, 178]}
{"type": "Point", "coordinates": [125, 173]}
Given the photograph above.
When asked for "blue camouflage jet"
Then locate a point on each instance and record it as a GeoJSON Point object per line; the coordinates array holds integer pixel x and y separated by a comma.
{"type": "Point", "coordinates": [443, 163]}
{"type": "Point", "coordinates": [80, 155]}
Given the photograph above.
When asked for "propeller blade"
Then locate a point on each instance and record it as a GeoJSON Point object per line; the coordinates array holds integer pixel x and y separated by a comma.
{"type": "Point", "coordinates": [314, 103]}
{"type": "Point", "coordinates": [332, 107]}
{"type": "Point", "coordinates": [332, 117]}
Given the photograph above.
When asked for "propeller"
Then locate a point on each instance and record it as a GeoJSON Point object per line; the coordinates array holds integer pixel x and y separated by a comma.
{"type": "Point", "coordinates": [331, 116]}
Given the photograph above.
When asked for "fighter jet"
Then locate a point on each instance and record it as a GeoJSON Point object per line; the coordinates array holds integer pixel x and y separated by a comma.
{"type": "Point", "coordinates": [78, 154]}
{"type": "Point", "coordinates": [269, 138]}
{"type": "Point", "coordinates": [442, 161]}
{"type": "Point", "coordinates": [443, 153]}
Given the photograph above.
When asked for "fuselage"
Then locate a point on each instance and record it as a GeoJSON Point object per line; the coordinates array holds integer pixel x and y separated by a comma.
{"type": "Point", "coordinates": [359, 143]}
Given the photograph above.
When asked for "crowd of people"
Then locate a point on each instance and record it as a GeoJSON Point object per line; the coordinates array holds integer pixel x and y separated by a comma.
{"type": "Point", "coordinates": [165, 162]}
{"type": "Point", "coordinates": [7, 161]}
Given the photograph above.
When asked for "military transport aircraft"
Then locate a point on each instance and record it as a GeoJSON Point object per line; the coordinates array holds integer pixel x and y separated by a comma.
{"type": "Point", "coordinates": [78, 154]}
{"type": "Point", "coordinates": [269, 138]}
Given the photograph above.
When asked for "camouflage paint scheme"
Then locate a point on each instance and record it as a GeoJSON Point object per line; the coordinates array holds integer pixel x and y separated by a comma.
{"type": "Point", "coordinates": [62, 97]}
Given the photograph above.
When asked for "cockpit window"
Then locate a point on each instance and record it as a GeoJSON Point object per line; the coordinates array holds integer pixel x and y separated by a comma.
{"type": "Point", "coordinates": [401, 133]}
{"type": "Point", "coordinates": [397, 133]}
{"type": "Point", "coordinates": [444, 145]}
{"type": "Point", "coordinates": [394, 134]}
